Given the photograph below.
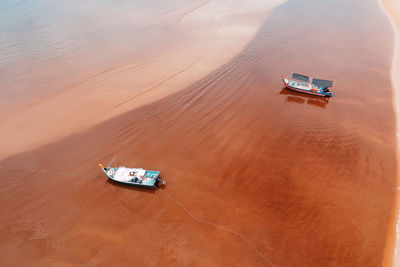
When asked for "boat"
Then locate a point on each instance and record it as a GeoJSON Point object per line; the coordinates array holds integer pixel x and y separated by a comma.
{"type": "Point", "coordinates": [301, 83]}
{"type": "Point", "coordinates": [133, 176]}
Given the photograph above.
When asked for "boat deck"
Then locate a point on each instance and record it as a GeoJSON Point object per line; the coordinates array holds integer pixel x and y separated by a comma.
{"type": "Point", "coordinates": [300, 85]}
{"type": "Point", "coordinates": [134, 176]}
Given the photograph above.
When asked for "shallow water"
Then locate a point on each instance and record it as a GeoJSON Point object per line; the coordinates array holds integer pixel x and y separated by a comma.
{"type": "Point", "coordinates": [309, 181]}
{"type": "Point", "coordinates": [47, 47]}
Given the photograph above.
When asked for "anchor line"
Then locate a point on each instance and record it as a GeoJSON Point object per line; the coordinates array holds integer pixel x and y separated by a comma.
{"type": "Point", "coordinates": [242, 236]}
{"type": "Point", "coordinates": [49, 172]}
{"type": "Point", "coordinates": [179, 203]}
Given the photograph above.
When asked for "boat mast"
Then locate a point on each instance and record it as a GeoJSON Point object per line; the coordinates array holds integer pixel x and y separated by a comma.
{"type": "Point", "coordinates": [109, 164]}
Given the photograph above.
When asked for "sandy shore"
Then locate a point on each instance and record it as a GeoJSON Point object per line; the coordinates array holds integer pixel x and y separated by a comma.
{"type": "Point", "coordinates": [207, 35]}
{"type": "Point", "coordinates": [392, 9]}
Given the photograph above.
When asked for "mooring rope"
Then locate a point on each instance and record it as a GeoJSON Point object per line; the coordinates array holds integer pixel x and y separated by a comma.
{"type": "Point", "coordinates": [194, 217]}
{"type": "Point", "coordinates": [242, 236]}
{"type": "Point", "coordinates": [68, 174]}
{"type": "Point", "coordinates": [49, 172]}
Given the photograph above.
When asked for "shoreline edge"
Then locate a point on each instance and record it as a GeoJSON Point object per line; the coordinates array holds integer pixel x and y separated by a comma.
{"type": "Point", "coordinates": [391, 8]}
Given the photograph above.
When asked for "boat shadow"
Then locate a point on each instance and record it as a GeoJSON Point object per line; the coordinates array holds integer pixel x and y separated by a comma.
{"type": "Point", "coordinates": [301, 98]}
{"type": "Point", "coordinates": [135, 188]}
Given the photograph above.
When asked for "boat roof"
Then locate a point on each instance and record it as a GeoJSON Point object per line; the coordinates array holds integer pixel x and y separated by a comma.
{"type": "Point", "coordinates": [315, 81]}
{"type": "Point", "coordinates": [322, 83]}
{"type": "Point", "coordinates": [300, 77]}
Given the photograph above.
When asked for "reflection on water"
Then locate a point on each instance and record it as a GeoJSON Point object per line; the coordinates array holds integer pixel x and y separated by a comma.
{"type": "Point", "coordinates": [301, 98]}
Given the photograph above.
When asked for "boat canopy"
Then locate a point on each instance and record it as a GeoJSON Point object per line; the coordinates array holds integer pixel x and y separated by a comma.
{"type": "Point", "coordinates": [322, 83]}
{"type": "Point", "coordinates": [300, 77]}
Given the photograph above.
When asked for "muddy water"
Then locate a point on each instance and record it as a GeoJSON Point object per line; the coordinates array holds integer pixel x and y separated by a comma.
{"type": "Point", "coordinates": [309, 181]}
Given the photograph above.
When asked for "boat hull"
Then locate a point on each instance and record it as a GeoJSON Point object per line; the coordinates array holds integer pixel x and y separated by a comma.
{"type": "Point", "coordinates": [154, 186]}
{"type": "Point", "coordinates": [305, 91]}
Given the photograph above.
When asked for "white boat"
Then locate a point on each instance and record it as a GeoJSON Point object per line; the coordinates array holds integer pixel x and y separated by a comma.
{"type": "Point", "coordinates": [133, 176]}
{"type": "Point", "coordinates": [301, 83]}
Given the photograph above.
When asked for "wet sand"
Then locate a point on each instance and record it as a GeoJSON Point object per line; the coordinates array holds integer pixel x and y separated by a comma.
{"type": "Point", "coordinates": [310, 182]}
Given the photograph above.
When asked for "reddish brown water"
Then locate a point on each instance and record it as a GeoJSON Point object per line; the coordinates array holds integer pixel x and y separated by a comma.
{"type": "Point", "coordinates": [310, 182]}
